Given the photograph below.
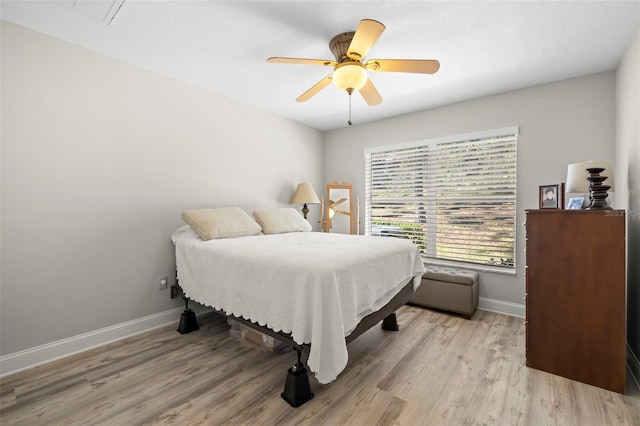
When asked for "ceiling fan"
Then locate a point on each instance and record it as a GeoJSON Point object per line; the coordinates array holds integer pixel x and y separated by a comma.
{"type": "Point", "coordinates": [333, 210]}
{"type": "Point", "coordinates": [349, 70]}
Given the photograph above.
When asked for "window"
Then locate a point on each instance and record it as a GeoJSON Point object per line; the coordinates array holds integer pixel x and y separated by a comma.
{"type": "Point", "coordinates": [455, 198]}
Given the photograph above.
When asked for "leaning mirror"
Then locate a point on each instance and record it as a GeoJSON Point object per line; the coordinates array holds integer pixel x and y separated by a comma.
{"type": "Point", "coordinates": [339, 211]}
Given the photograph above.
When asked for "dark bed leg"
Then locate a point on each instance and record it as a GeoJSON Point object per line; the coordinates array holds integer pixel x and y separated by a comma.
{"type": "Point", "coordinates": [390, 323]}
{"type": "Point", "coordinates": [188, 322]}
{"type": "Point", "coordinates": [297, 390]}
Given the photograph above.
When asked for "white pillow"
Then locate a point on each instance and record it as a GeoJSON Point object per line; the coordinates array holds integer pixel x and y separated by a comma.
{"type": "Point", "coordinates": [281, 220]}
{"type": "Point", "coordinates": [226, 222]}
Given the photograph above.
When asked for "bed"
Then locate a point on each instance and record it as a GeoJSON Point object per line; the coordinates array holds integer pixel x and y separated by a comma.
{"type": "Point", "coordinates": [319, 290]}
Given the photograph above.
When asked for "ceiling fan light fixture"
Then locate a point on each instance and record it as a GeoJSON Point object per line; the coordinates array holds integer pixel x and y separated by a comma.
{"type": "Point", "coordinates": [350, 76]}
{"type": "Point", "coordinates": [349, 71]}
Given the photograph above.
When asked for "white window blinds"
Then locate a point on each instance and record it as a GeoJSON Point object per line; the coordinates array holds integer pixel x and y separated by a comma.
{"type": "Point", "coordinates": [455, 198]}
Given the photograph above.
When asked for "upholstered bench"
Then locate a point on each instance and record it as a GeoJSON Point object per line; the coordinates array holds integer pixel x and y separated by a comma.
{"type": "Point", "coordinates": [449, 289]}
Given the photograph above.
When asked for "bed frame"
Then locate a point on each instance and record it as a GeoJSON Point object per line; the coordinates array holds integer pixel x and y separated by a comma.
{"type": "Point", "coordinates": [297, 390]}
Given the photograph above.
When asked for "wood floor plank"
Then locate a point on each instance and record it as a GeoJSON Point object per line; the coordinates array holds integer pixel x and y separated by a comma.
{"type": "Point", "coordinates": [7, 398]}
{"type": "Point", "coordinates": [439, 369]}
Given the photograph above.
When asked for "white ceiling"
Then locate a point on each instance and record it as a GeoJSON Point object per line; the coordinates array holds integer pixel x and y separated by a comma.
{"type": "Point", "coordinates": [483, 47]}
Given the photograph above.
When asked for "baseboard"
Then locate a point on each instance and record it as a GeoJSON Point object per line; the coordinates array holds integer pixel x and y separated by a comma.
{"type": "Point", "coordinates": [29, 358]}
{"type": "Point", "coordinates": [501, 307]}
{"type": "Point", "coordinates": [633, 365]}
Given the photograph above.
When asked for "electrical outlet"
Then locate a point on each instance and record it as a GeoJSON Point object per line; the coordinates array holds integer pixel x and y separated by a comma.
{"type": "Point", "coordinates": [163, 283]}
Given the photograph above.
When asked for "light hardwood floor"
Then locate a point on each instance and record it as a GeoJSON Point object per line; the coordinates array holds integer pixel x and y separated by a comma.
{"type": "Point", "coordinates": [439, 369]}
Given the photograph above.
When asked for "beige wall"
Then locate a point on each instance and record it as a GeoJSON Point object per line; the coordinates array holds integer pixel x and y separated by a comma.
{"type": "Point", "coordinates": [628, 183]}
{"type": "Point", "coordinates": [99, 158]}
{"type": "Point", "coordinates": [560, 123]}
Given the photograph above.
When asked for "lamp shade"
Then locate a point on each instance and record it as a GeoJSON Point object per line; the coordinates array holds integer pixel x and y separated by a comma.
{"type": "Point", "coordinates": [305, 195]}
{"type": "Point", "coordinates": [577, 175]}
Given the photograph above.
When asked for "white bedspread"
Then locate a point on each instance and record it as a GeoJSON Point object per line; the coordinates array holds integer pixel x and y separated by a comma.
{"type": "Point", "coordinates": [315, 286]}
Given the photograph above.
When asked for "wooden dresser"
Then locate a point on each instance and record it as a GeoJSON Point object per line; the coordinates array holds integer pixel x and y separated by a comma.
{"type": "Point", "coordinates": [575, 295]}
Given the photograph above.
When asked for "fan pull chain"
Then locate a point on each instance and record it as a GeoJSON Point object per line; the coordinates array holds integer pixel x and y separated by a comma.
{"type": "Point", "coordinates": [349, 121]}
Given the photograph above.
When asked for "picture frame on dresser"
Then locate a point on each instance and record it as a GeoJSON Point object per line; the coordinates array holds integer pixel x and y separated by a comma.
{"type": "Point", "coordinates": [549, 196]}
{"type": "Point", "coordinates": [575, 203]}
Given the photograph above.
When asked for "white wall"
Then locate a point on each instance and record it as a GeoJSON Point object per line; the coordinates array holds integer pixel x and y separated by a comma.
{"type": "Point", "coordinates": [99, 158]}
{"type": "Point", "coordinates": [628, 183]}
{"type": "Point", "coordinates": [560, 123]}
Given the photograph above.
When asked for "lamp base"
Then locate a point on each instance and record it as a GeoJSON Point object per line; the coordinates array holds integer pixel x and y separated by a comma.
{"type": "Point", "coordinates": [597, 191]}
{"type": "Point", "coordinates": [593, 206]}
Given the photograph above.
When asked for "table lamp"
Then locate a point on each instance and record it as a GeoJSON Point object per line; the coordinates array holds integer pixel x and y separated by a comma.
{"type": "Point", "coordinates": [587, 177]}
{"type": "Point", "coordinates": [305, 195]}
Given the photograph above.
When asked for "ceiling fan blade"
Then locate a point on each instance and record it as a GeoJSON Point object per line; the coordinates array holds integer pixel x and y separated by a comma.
{"type": "Point", "coordinates": [370, 93]}
{"type": "Point", "coordinates": [365, 37]}
{"type": "Point", "coordinates": [304, 61]}
{"type": "Point", "coordinates": [315, 89]}
{"type": "Point", "coordinates": [421, 66]}
{"type": "Point", "coordinates": [335, 203]}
